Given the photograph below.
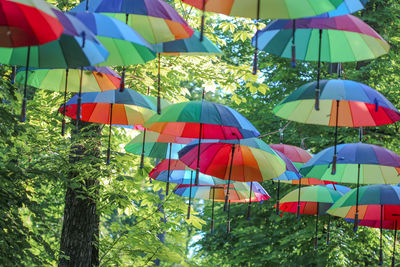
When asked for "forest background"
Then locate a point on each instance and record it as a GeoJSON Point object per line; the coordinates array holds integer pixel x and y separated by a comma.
{"type": "Point", "coordinates": [131, 223]}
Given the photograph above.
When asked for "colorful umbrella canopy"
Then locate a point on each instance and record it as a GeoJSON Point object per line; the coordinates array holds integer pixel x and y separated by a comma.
{"type": "Point", "coordinates": [27, 23]}
{"type": "Point", "coordinates": [337, 187]}
{"type": "Point", "coordinates": [291, 173]}
{"type": "Point", "coordinates": [240, 160]}
{"type": "Point", "coordinates": [307, 181]}
{"type": "Point", "coordinates": [356, 163]}
{"type": "Point", "coordinates": [338, 39]}
{"type": "Point", "coordinates": [296, 155]}
{"type": "Point", "coordinates": [111, 107]}
{"type": "Point", "coordinates": [175, 171]}
{"type": "Point", "coordinates": [267, 9]}
{"type": "Point", "coordinates": [77, 47]}
{"type": "Point", "coordinates": [192, 46]}
{"type": "Point", "coordinates": [202, 119]}
{"type": "Point", "coordinates": [359, 105]}
{"type": "Point", "coordinates": [375, 203]}
{"type": "Point", "coordinates": [126, 46]}
{"type": "Point", "coordinates": [343, 39]}
{"type": "Point", "coordinates": [155, 20]}
{"type": "Point", "coordinates": [314, 200]}
{"type": "Point", "coordinates": [243, 193]}
{"type": "Point", "coordinates": [181, 174]}
{"type": "Point", "coordinates": [94, 79]}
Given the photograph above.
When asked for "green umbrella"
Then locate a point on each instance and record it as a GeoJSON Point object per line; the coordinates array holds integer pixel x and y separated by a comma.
{"type": "Point", "coordinates": [314, 200]}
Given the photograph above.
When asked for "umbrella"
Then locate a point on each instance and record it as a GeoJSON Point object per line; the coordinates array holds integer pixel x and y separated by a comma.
{"type": "Point", "coordinates": [267, 9]}
{"type": "Point", "coordinates": [94, 79]}
{"type": "Point", "coordinates": [77, 47]}
{"type": "Point", "coordinates": [314, 200]}
{"type": "Point", "coordinates": [291, 173]}
{"type": "Point", "coordinates": [155, 145]}
{"type": "Point", "coordinates": [155, 20]}
{"type": "Point", "coordinates": [360, 105]}
{"type": "Point", "coordinates": [242, 160]}
{"type": "Point", "coordinates": [294, 156]}
{"type": "Point", "coordinates": [27, 23]}
{"type": "Point", "coordinates": [239, 193]}
{"type": "Point", "coordinates": [111, 107]}
{"type": "Point", "coordinates": [125, 45]}
{"type": "Point", "coordinates": [338, 39]}
{"type": "Point", "coordinates": [202, 120]}
{"type": "Point", "coordinates": [175, 171]}
{"type": "Point", "coordinates": [377, 203]}
{"type": "Point", "coordinates": [184, 47]}
{"type": "Point", "coordinates": [356, 163]}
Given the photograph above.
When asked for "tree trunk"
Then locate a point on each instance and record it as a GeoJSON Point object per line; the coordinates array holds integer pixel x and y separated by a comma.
{"type": "Point", "coordinates": [80, 232]}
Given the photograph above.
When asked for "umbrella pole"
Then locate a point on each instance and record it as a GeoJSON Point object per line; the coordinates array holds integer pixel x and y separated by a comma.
{"type": "Point", "coordinates": [277, 197]}
{"type": "Point", "coordinates": [203, 18]}
{"type": "Point", "coordinates": [298, 201]}
{"type": "Point", "coordinates": [293, 45]}
{"type": "Point", "coordinates": [317, 90]}
{"type": "Point", "coordinates": [143, 151]}
{"type": "Point", "coordinates": [249, 208]}
{"type": "Point", "coordinates": [78, 111]}
{"type": "Point", "coordinates": [65, 101]}
{"type": "Point", "coordinates": [109, 135]}
{"type": "Point", "coordinates": [23, 111]}
{"type": "Point", "coordinates": [336, 134]}
{"type": "Point", "coordinates": [122, 83]}
{"type": "Point", "coordinates": [358, 186]}
{"type": "Point", "coordinates": [212, 211]}
{"type": "Point", "coordinates": [316, 228]}
{"type": "Point", "coordinates": [169, 169]}
{"type": "Point", "coordinates": [228, 225]}
{"type": "Point", "coordinates": [255, 60]}
{"type": "Point", "coordinates": [329, 229]}
{"type": "Point", "coordinates": [159, 85]}
{"type": "Point", "coordinates": [380, 249]}
{"type": "Point", "coordinates": [190, 195]}
{"type": "Point", "coordinates": [394, 243]}
{"type": "Point", "coordinates": [229, 179]}
{"type": "Point", "coordinates": [196, 180]}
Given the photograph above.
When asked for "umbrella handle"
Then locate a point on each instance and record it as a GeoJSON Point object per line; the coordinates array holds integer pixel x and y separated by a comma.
{"type": "Point", "coordinates": [159, 85]}
{"type": "Point", "coordinates": [333, 172]}
{"type": "Point", "coordinates": [248, 211]}
{"type": "Point", "coordinates": [23, 108]}
{"type": "Point", "coordinates": [293, 45]}
{"type": "Point", "coordinates": [203, 9]}
{"type": "Point", "coordinates": [122, 83]}
{"type": "Point", "coordinates": [141, 161]}
{"type": "Point", "coordinates": [329, 230]}
{"type": "Point", "coordinates": [355, 228]}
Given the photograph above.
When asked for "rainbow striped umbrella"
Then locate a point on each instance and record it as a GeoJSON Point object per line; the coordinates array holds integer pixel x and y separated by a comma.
{"type": "Point", "coordinates": [359, 106]}
{"type": "Point", "coordinates": [77, 47]}
{"type": "Point", "coordinates": [111, 107]}
{"type": "Point", "coordinates": [345, 8]}
{"type": "Point", "coordinates": [236, 192]}
{"type": "Point", "coordinates": [314, 200]}
{"type": "Point", "coordinates": [291, 173]}
{"type": "Point", "coordinates": [94, 79]}
{"type": "Point", "coordinates": [202, 120]}
{"type": "Point", "coordinates": [373, 203]}
{"type": "Point", "coordinates": [155, 20]}
{"type": "Point", "coordinates": [356, 163]}
{"type": "Point", "coordinates": [295, 154]}
{"type": "Point", "coordinates": [175, 171]}
{"type": "Point", "coordinates": [243, 160]}
{"type": "Point", "coordinates": [28, 23]}
{"type": "Point", "coordinates": [337, 39]}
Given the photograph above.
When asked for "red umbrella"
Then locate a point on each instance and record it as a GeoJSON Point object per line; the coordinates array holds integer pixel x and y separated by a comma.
{"type": "Point", "coordinates": [27, 23]}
